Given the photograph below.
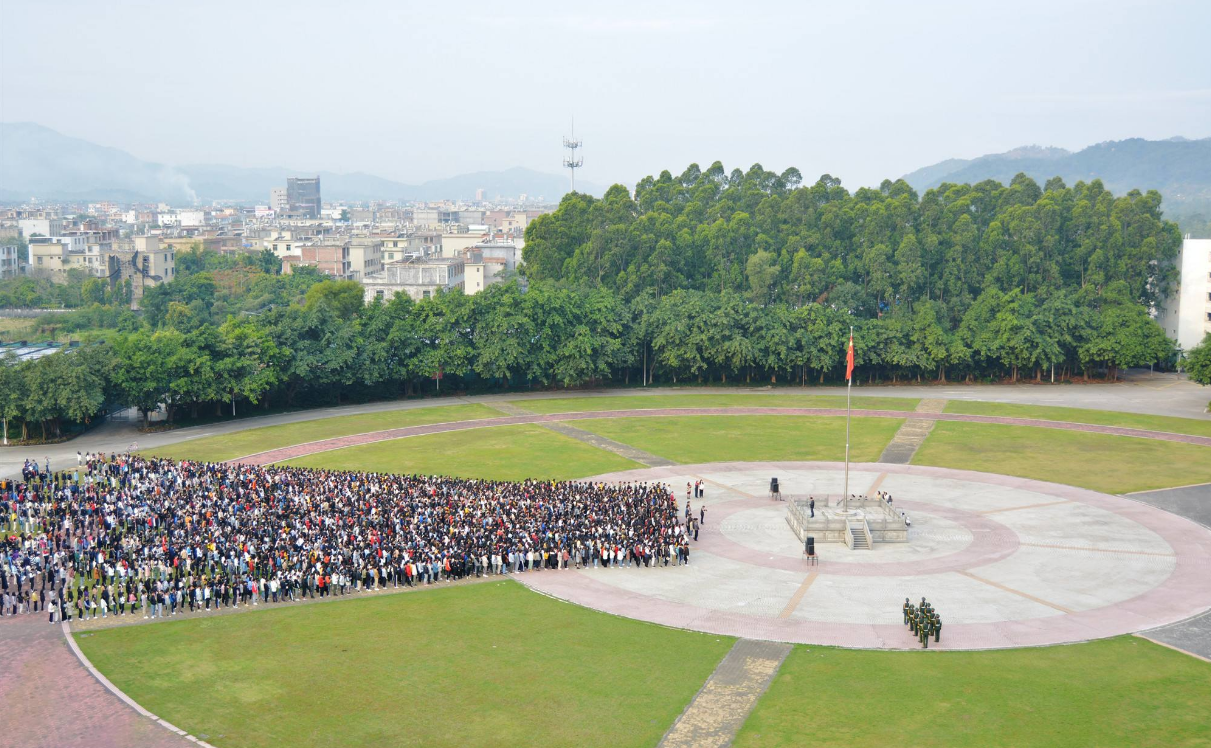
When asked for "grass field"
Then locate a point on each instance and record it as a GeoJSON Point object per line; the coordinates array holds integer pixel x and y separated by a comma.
{"type": "Point", "coordinates": [1114, 464]}
{"type": "Point", "coordinates": [691, 439]}
{"type": "Point", "coordinates": [501, 452]}
{"type": "Point", "coordinates": [1079, 415]}
{"type": "Point", "coordinates": [1116, 692]}
{"type": "Point", "coordinates": [485, 664]}
{"type": "Point", "coordinates": [723, 400]}
{"type": "Point", "coordinates": [17, 328]}
{"type": "Point", "coordinates": [251, 441]}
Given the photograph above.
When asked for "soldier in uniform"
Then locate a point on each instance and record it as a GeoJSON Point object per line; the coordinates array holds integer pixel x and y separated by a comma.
{"type": "Point", "coordinates": [937, 627]}
{"type": "Point", "coordinates": [907, 608]}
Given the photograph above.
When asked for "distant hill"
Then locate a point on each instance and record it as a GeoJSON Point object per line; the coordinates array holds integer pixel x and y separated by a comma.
{"type": "Point", "coordinates": [36, 161]}
{"type": "Point", "coordinates": [1178, 168]}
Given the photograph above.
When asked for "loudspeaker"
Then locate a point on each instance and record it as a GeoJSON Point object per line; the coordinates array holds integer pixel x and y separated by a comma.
{"type": "Point", "coordinates": [773, 485]}
{"type": "Point", "coordinates": [810, 546]}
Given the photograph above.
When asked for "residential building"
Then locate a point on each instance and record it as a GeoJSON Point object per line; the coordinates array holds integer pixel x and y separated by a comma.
{"type": "Point", "coordinates": [329, 257]}
{"type": "Point", "coordinates": [420, 278]}
{"type": "Point", "coordinates": [424, 217]}
{"type": "Point", "coordinates": [303, 196]}
{"type": "Point", "coordinates": [285, 242]}
{"type": "Point", "coordinates": [1186, 314]}
{"type": "Point", "coordinates": [506, 252]}
{"type": "Point", "coordinates": [40, 226]}
{"type": "Point", "coordinates": [365, 257]}
{"type": "Point", "coordinates": [159, 263]}
{"type": "Point", "coordinates": [10, 261]}
{"type": "Point", "coordinates": [453, 244]}
{"type": "Point", "coordinates": [54, 256]}
{"type": "Point", "coordinates": [279, 202]}
{"type": "Point", "coordinates": [482, 271]}
{"type": "Point", "coordinates": [407, 246]}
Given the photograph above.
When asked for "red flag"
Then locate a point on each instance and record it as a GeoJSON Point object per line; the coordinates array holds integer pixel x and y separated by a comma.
{"type": "Point", "coordinates": [849, 359]}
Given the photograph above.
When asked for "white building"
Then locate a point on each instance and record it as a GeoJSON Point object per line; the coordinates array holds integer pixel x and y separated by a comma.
{"type": "Point", "coordinates": [278, 201]}
{"type": "Point", "coordinates": [40, 226]}
{"type": "Point", "coordinates": [420, 278]}
{"type": "Point", "coordinates": [1186, 313]}
{"type": "Point", "coordinates": [10, 261]}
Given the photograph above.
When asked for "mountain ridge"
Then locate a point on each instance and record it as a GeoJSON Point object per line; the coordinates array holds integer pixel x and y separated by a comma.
{"type": "Point", "coordinates": [1179, 168]}
{"type": "Point", "coordinates": [36, 161]}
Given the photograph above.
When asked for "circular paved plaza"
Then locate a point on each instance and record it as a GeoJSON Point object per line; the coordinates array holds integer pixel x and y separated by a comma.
{"type": "Point", "coordinates": [1007, 562]}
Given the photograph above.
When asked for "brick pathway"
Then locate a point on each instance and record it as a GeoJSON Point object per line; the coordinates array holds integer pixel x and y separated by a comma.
{"type": "Point", "coordinates": [324, 445]}
{"type": "Point", "coordinates": [50, 700]}
{"type": "Point", "coordinates": [719, 710]}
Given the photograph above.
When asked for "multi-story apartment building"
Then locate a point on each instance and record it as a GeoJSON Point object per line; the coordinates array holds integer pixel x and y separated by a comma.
{"type": "Point", "coordinates": [279, 201]}
{"type": "Point", "coordinates": [329, 257]}
{"type": "Point", "coordinates": [406, 246]}
{"type": "Point", "coordinates": [40, 226]}
{"type": "Point", "coordinates": [303, 196]}
{"type": "Point", "coordinates": [10, 261]}
{"type": "Point", "coordinates": [365, 256]}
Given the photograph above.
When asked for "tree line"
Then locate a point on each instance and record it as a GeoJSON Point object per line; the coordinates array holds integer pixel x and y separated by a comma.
{"type": "Point", "coordinates": [330, 348]}
{"type": "Point", "coordinates": [872, 252]}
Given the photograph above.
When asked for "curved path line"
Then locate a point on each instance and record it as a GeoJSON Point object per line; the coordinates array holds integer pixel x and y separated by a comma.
{"type": "Point", "coordinates": [109, 686]}
{"type": "Point", "coordinates": [325, 445]}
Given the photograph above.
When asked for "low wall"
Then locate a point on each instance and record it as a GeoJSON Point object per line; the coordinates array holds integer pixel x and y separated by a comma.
{"type": "Point", "coordinates": [29, 313]}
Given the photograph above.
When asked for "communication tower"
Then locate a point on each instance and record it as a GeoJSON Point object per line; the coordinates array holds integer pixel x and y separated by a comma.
{"type": "Point", "coordinates": [572, 161]}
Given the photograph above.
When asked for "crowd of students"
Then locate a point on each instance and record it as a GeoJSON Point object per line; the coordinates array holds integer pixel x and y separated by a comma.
{"type": "Point", "coordinates": [125, 534]}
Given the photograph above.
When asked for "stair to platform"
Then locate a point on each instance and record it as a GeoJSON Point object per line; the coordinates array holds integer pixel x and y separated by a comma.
{"type": "Point", "coordinates": [857, 531]}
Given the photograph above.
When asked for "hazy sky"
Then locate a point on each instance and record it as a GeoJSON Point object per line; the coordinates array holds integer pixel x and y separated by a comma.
{"type": "Point", "coordinates": [413, 91]}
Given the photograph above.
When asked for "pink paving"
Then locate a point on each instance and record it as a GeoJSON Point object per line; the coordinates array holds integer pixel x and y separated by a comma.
{"type": "Point", "coordinates": [50, 700]}
{"type": "Point", "coordinates": [1185, 593]}
{"type": "Point", "coordinates": [324, 445]}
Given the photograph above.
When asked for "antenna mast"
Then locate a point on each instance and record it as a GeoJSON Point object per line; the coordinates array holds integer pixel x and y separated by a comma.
{"type": "Point", "coordinates": [572, 162]}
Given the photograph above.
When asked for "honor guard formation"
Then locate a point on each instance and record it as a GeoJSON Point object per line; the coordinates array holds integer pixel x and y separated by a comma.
{"type": "Point", "coordinates": [923, 621]}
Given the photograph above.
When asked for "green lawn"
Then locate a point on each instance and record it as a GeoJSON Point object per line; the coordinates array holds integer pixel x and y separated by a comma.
{"type": "Point", "coordinates": [690, 439]}
{"type": "Point", "coordinates": [726, 400]}
{"type": "Point", "coordinates": [500, 452]}
{"type": "Point", "coordinates": [477, 665]}
{"type": "Point", "coordinates": [1198, 427]}
{"type": "Point", "coordinates": [1114, 464]}
{"type": "Point", "coordinates": [243, 443]}
{"type": "Point", "coordinates": [1116, 692]}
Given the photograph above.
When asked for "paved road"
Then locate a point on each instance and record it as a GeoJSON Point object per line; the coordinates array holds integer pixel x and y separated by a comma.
{"type": "Point", "coordinates": [1139, 392]}
{"type": "Point", "coordinates": [1193, 502]}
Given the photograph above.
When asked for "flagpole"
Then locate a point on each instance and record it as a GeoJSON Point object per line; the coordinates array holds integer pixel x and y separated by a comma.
{"type": "Point", "coordinates": [849, 386]}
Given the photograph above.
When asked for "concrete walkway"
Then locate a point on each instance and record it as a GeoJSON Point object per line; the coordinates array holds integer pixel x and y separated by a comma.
{"type": "Point", "coordinates": [600, 442]}
{"type": "Point", "coordinates": [912, 434]}
{"type": "Point", "coordinates": [719, 710]}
